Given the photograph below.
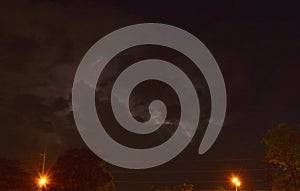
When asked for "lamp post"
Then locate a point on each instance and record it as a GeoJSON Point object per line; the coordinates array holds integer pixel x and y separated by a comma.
{"type": "Point", "coordinates": [236, 182]}
{"type": "Point", "coordinates": [42, 181]}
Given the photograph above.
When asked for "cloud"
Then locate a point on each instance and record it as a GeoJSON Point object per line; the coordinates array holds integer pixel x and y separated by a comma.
{"type": "Point", "coordinates": [42, 45]}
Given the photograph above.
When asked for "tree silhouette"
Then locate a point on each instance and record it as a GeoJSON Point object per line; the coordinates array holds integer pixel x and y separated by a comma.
{"type": "Point", "coordinates": [181, 187]}
{"type": "Point", "coordinates": [80, 170]}
{"type": "Point", "coordinates": [283, 155]}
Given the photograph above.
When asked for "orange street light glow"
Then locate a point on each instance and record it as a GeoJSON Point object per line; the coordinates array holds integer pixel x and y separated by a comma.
{"type": "Point", "coordinates": [42, 181]}
{"type": "Point", "coordinates": [235, 180]}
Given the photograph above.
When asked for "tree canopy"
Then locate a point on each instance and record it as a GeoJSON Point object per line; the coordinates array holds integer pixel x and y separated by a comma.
{"type": "Point", "coordinates": [283, 155]}
{"type": "Point", "coordinates": [181, 187]}
{"type": "Point", "coordinates": [80, 170]}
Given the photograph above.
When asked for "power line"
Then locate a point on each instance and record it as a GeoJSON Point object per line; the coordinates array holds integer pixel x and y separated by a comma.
{"type": "Point", "coordinates": [176, 181]}
{"type": "Point", "coordinates": [209, 160]}
{"type": "Point", "coordinates": [184, 171]}
{"type": "Point", "coordinates": [220, 160]}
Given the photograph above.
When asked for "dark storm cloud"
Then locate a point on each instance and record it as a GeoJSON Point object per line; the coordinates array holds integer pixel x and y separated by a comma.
{"type": "Point", "coordinates": [42, 44]}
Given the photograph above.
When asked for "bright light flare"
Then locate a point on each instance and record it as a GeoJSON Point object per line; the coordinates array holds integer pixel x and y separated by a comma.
{"type": "Point", "coordinates": [42, 181]}
{"type": "Point", "coordinates": [236, 181]}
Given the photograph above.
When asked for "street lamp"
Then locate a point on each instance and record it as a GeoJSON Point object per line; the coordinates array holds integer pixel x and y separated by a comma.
{"type": "Point", "coordinates": [42, 182]}
{"type": "Point", "coordinates": [236, 182]}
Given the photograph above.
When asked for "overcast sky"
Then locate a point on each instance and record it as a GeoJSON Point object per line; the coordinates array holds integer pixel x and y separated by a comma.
{"type": "Point", "coordinates": [255, 44]}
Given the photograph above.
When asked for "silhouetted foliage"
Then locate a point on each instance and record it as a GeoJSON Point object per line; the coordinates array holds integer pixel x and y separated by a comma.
{"type": "Point", "coordinates": [182, 187]}
{"type": "Point", "coordinates": [80, 170]}
{"type": "Point", "coordinates": [283, 155]}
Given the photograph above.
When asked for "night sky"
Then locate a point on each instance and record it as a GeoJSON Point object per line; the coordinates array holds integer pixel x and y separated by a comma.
{"type": "Point", "coordinates": [256, 45]}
